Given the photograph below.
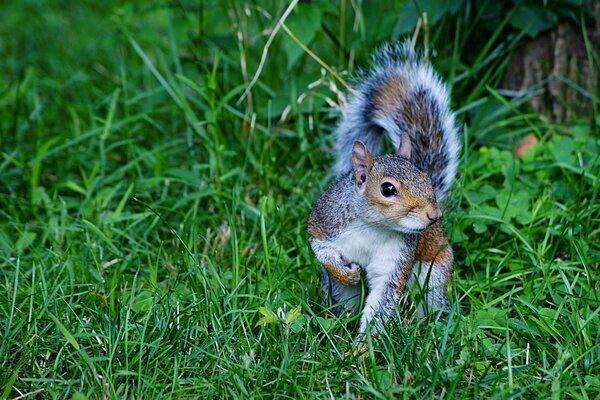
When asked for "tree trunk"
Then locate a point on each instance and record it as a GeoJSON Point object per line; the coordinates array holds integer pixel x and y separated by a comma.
{"type": "Point", "coordinates": [558, 63]}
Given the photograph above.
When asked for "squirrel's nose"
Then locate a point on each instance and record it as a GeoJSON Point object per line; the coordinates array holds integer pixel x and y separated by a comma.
{"type": "Point", "coordinates": [434, 214]}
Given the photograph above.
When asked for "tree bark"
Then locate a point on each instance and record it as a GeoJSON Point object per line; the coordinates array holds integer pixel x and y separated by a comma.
{"type": "Point", "coordinates": [558, 64]}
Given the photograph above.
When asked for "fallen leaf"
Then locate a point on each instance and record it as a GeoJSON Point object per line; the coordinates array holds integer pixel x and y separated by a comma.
{"type": "Point", "coordinates": [525, 144]}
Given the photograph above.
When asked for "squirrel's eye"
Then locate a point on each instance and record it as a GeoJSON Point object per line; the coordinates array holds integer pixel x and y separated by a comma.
{"type": "Point", "coordinates": [388, 190]}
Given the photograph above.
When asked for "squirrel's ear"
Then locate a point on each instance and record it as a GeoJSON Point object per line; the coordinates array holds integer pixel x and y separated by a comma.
{"type": "Point", "coordinates": [405, 146]}
{"type": "Point", "coordinates": [362, 161]}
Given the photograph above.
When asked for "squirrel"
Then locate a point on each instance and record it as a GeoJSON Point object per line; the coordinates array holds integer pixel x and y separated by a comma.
{"type": "Point", "coordinates": [381, 216]}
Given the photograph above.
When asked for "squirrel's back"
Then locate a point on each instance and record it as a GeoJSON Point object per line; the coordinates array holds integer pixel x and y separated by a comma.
{"type": "Point", "coordinates": [400, 94]}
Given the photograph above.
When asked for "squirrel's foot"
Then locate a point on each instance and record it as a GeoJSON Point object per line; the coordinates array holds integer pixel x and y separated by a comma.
{"type": "Point", "coordinates": [360, 350]}
{"type": "Point", "coordinates": [360, 347]}
{"type": "Point", "coordinates": [353, 271]}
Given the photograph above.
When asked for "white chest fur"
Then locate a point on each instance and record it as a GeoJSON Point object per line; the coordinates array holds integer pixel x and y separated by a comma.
{"type": "Point", "coordinates": [375, 248]}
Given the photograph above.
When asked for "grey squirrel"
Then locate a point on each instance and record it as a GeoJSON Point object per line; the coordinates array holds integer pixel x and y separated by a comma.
{"type": "Point", "coordinates": [381, 216]}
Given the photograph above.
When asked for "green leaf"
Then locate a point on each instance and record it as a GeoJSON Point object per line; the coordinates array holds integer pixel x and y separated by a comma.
{"type": "Point", "coordinates": [299, 325]}
{"type": "Point", "coordinates": [101, 235]}
{"type": "Point", "coordinates": [592, 381]}
{"type": "Point", "coordinates": [408, 15]}
{"type": "Point", "coordinates": [76, 188]}
{"type": "Point", "coordinates": [293, 314]}
{"type": "Point", "coordinates": [491, 318]}
{"type": "Point", "coordinates": [117, 213]}
{"type": "Point", "coordinates": [326, 323]}
{"type": "Point", "coordinates": [269, 316]}
{"type": "Point", "coordinates": [581, 132]}
{"type": "Point", "coordinates": [489, 211]}
{"type": "Point", "coordinates": [479, 227]}
{"type": "Point", "coordinates": [143, 301]}
{"type": "Point", "coordinates": [533, 20]}
{"type": "Point", "coordinates": [9, 384]}
{"type": "Point", "coordinates": [563, 148]}
{"type": "Point", "coordinates": [304, 23]}
{"type": "Point", "coordinates": [515, 204]}
{"type": "Point", "coordinates": [39, 196]}
{"type": "Point", "coordinates": [25, 241]}
{"type": "Point", "coordinates": [70, 338]}
{"type": "Point", "coordinates": [480, 194]}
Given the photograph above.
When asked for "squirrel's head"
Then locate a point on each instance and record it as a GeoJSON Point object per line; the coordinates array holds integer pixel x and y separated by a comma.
{"type": "Point", "coordinates": [400, 193]}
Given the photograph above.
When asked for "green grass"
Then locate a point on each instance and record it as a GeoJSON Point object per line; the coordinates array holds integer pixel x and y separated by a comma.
{"type": "Point", "coordinates": [152, 228]}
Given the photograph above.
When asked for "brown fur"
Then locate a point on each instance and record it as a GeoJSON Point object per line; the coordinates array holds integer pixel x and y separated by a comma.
{"type": "Point", "coordinates": [345, 279]}
{"type": "Point", "coordinates": [316, 232]}
{"type": "Point", "coordinates": [426, 135]}
{"type": "Point", "coordinates": [430, 244]}
{"type": "Point", "coordinates": [391, 92]}
{"type": "Point", "coordinates": [394, 207]}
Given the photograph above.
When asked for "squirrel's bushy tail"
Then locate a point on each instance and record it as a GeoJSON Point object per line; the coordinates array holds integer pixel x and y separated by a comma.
{"type": "Point", "coordinates": [401, 94]}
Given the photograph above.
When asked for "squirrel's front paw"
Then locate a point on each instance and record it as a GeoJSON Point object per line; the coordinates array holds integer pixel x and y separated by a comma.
{"type": "Point", "coordinates": [353, 270]}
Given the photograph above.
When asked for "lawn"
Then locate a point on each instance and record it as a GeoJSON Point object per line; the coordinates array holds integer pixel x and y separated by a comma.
{"type": "Point", "coordinates": [153, 212]}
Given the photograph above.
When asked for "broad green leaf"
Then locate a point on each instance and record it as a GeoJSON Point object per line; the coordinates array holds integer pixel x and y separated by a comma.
{"type": "Point", "coordinates": [513, 205]}
{"type": "Point", "coordinates": [533, 20]}
{"type": "Point", "coordinates": [299, 324]}
{"type": "Point", "coordinates": [479, 227]}
{"type": "Point", "coordinates": [143, 301]}
{"type": "Point", "coordinates": [409, 13]}
{"type": "Point", "coordinates": [268, 316]}
{"type": "Point", "coordinates": [304, 23]}
{"type": "Point", "coordinates": [563, 148]}
{"type": "Point", "coordinates": [491, 317]}
{"type": "Point", "coordinates": [480, 194]}
{"type": "Point", "coordinates": [293, 314]}
{"type": "Point", "coordinates": [326, 323]}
